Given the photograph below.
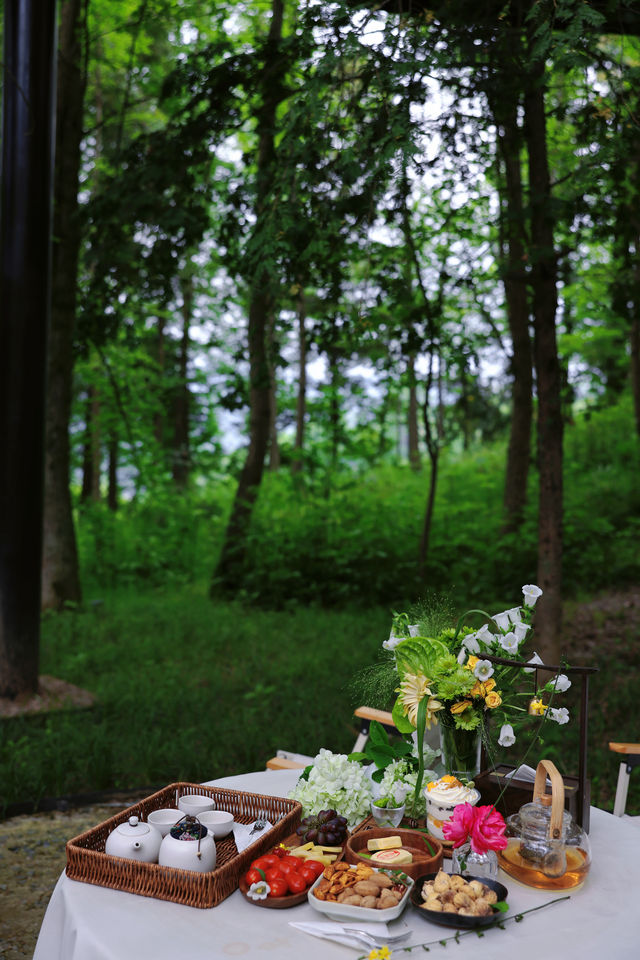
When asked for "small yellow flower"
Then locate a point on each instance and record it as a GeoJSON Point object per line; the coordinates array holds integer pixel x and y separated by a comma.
{"type": "Point", "coordinates": [460, 706]}
{"type": "Point", "coordinates": [489, 685]}
{"type": "Point", "coordinates": [381, 953]}
{"type": "Point", "coordinates": [537, 708]}
{"type": "Point", "coordinates": [471, 662]}
{"type": "Point", "coordinates": [493, 699]}
{"type": "Point", "coordinates": [478, 689]}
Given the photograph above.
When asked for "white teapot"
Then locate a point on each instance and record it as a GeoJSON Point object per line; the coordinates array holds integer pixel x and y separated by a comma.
{"type": "Point", "coordinates": [188, 846]}
{"type": "Point", "coordinates": [135, 841]}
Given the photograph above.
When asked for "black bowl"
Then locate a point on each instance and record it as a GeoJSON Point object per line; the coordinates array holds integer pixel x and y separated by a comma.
{"type": "Point", "coordinates": [454, 919]}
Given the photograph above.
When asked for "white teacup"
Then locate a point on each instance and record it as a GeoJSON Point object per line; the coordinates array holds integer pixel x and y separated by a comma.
{"type": "Point", "coordinates": [218, 822]}
{"type": "Point", "coordinates": [164, 819]}
{"type": "Point", "coordinates": [195, 803]}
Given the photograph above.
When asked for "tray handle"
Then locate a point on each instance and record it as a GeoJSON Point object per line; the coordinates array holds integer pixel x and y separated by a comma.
{"type": "Point", "coordinates": [544, 768]}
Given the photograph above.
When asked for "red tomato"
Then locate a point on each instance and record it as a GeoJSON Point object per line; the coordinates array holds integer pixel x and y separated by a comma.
{"type": "Point", "coordinates": [268, 860]}
{"type": "Point", "coordinates": [286, 867]}
{"type": "Point", "coordinates": [314, 865]}
{"type": "Point", "coordinates": [273, 873]}
{"type": "Point", "coordinates": [297, 883]}
{"type": "Point", "coordinates": [252, 876]}
{"type": "Point", "coordinates": [309, 876]}
{"type": "Point", "coordinates": [279, 887]}
{"type": "Point", "coordinates": [294, 861]}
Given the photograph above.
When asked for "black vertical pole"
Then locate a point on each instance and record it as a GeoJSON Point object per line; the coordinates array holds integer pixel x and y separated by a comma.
{"type": "Point", "coordinates": [28, 119]}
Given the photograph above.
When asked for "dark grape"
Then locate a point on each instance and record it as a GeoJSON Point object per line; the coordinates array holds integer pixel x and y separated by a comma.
{"type": "Point", "coordinates": [312, 834]}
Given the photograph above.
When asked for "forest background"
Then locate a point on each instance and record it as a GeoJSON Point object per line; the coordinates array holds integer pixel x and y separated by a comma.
{"type": "Point", "coordinates": [345, 314]}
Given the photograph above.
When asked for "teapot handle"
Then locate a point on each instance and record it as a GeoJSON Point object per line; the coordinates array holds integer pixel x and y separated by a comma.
{"type": "Point", "coordinates": [557, 794]}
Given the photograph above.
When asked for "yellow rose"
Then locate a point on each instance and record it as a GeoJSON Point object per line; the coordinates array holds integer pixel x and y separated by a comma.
{"type": "Point", "coordinates": [493, 700]}
{"type": "Point", "coordinates": [460, 706]}
{"type": "Point", "coordinates": [471, 662]}
{"type": "Point", "coordinates": [489, 685]}
{"type": "Point", "coordinates": [478, 690]}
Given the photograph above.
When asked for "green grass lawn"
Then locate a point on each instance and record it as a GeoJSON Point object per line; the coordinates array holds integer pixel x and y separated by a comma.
{"type": "Point", "coordinates": [190, 689]}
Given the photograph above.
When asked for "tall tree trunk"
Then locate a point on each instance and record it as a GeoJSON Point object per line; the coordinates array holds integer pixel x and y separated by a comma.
{"type": "Point", "coordinates": [548, 374]}
{"type": "Point", "coordinates": [60, 575]}
{"type": "Point", "coordinates": [25, 278]}
{"type": "Point", "coordinates": [301, 404]}
{"type": "Point", "coordinates": [274, 446]}
{"type": "Point", "coordinates": [87, 457]}
{"type": "Point", "coordinates": [334, 406]}
{"type": "Point", "coordinates": [159, 416]}
{"type": "Point", "coordinates": [181, 452]}
{"type": "Point", "coordinates": [230, 566]}
{"type": "Point", "coordinates": [92, 453]}
{"type": "Point", "coordinates": [515, 287]}
{"type": "Point", "coordinates": [412, 415]}
{"type": "Point", "coordinates": [112, 490]}
{"type": "Point", "coordinates": [433, 449]}
{"type": "Point", "coordinates": [635, 337]}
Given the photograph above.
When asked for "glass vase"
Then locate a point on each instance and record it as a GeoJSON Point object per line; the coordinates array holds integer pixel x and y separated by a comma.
{"type": "Point", "coordinates": [461, 751]}
{"type": "Point", "coordinates": [467, 861]}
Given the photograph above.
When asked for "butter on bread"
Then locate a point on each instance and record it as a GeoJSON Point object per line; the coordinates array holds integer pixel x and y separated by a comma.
{"type": "Point", "coordinates": [384, 843]}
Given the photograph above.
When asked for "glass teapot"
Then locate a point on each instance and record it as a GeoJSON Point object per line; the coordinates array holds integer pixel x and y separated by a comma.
{"type": "Point", "coordinates": [546, 848]}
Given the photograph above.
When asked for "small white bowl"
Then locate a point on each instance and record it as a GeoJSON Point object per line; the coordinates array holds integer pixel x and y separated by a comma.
{"type": "Point", "coordinates": [218, 822]}
{"type": "Point", "coordinates": [164, 819]}
{"type": "Point", "coordinates": [195, 803]}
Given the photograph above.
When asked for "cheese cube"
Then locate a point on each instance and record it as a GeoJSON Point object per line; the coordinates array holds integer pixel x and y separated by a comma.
{"type": "Point", "coordinates": [384, 843]}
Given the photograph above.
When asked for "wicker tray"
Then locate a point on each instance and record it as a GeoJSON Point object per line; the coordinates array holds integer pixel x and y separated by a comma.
{"type": "Point", "coordinates": [87, 861]}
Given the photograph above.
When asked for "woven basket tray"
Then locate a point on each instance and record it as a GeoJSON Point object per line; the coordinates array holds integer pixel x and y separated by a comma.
{"type": "Point", "coordinates": [87, 861]}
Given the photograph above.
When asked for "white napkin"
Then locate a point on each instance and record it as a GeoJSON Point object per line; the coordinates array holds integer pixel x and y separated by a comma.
{"type": "Point", "coordinates": [241, 833]}
{"type": "Point", "coordinates": [339, 932]}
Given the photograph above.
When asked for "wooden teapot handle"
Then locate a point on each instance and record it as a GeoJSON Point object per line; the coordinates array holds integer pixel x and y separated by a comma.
{"type": "Point", "coordinates": [557, 793]}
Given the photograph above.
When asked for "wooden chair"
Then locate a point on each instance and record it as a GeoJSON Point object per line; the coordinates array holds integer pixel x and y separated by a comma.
{"type": "Point", "coordinates": [285, 760]}
{"type": "Point", "coordinates": [631, 754]}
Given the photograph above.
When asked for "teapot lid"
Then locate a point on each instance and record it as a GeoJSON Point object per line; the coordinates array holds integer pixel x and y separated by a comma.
{"type": "Point", "coordinates": [133, 828]}
{"type": "Point", "coordinates": [188, 828]}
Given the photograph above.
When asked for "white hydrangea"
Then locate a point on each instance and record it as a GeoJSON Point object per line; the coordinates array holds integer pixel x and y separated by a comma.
{"type": "Point", "coordinates": [335, 782]}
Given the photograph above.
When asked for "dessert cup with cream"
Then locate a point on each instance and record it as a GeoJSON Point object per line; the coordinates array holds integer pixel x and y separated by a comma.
{"type": "Point", "coordinates": [443, 796]}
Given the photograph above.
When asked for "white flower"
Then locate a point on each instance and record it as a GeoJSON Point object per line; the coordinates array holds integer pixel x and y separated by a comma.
{"type": "Point", "coordinates": [484, 635]}
{"type": "Point", "coordinates": [471, 643]}
{"type": "Point", "coordinates": [531, 594]}
{"type": "Point", "coordinates": [502, 620]}
{"type": "Point", "coordinates": [560, 715]}
{"type": "Point", "coordinates": [535, 659]}
{"type": "Point", "coordinates": [507, 736]}
{"type": "Point", "coordinates": [392, 642]}
{"type": "Point", "coordinates": [514, 614]}
{"type": "Point", "coordinates": [509, 642]}
{"type": "Point", "coordinates": [483, 670]}
{"type": "Point", "coordinates": [520, 630]}
{"type": "Point", "coordinates": [259, 890]}
{"type": "Point", "coordinates": [335, 782]}
{"type": "Point", "coordinates": [462, 656]}
{"type": "Point", "coordinates": [414, 630]}
{"type": "Point", "coordinates": [559, 684]}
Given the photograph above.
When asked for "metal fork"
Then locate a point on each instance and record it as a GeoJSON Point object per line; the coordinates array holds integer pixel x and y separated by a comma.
{"type": "Point", "coordinates": [372, 941]}
{"type": "Point", "coordinates": [260, 824]}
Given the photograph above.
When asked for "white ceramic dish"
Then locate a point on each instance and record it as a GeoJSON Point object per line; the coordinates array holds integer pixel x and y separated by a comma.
{"type": "Point", "coordinates": [344, 911]}
{"type": "Point", "coordinates": [164, 819]}
{"type": "Point", "coordinates": [195, 803]}
{"type": "Point", "coordinates": [218, 822]}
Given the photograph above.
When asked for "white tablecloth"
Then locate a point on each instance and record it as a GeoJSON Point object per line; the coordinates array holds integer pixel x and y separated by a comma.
{"type": "Point", "coordinates": [601, 921]}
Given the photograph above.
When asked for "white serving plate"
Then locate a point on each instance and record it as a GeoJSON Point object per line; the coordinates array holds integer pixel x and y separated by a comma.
{"type": "Point", "coordinates": [345, 911]}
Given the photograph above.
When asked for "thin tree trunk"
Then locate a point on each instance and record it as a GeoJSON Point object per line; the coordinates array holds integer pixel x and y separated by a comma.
{"type": "Point", "coordinates": [550, 425]}
{"type": "Point", "coordinates": [112, 490]}
{"type": "Point", "coordinates": [181, 452]}
{"type": "Point", "coordinates": [274, 447]}
{"type": "Point", "coordinates": [301, 405]}
{"type": "Point", "coordinates": [412, 415]}
{"type": "Point", "coordinates": [334, 407]}
{"type": "Point", "coordinates": [87, 458]}
{"type": "Point", "coordinates": [433, 449]}
{"type": "Point", "coordinates": [60, 575]}
{"type": "Point", "coordinates": [515, 287]}
{"type": "Point", "coordinates": [635, 338]}
{"type": "Point", "coordinates": [159, 417]}
{"type": "Point", "coordinates": [230, 566]}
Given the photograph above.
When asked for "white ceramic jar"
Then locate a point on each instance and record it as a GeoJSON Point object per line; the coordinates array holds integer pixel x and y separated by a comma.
{"type": "Point", "coordinates": [182, 849]}
{"type": "Point", "coordinates": [135, 841]}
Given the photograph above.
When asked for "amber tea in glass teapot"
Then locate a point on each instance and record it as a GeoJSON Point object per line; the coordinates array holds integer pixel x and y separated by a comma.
{"type": "Point", "coordinates": [546, 847]}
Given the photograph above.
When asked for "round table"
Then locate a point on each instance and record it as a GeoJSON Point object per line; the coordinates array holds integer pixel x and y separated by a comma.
{"type": "Point", "coordinates": [88, 922]}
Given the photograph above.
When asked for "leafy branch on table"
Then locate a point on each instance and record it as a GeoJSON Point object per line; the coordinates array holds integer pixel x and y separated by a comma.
{"type": "Point", "coordinates": [517, 918]}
